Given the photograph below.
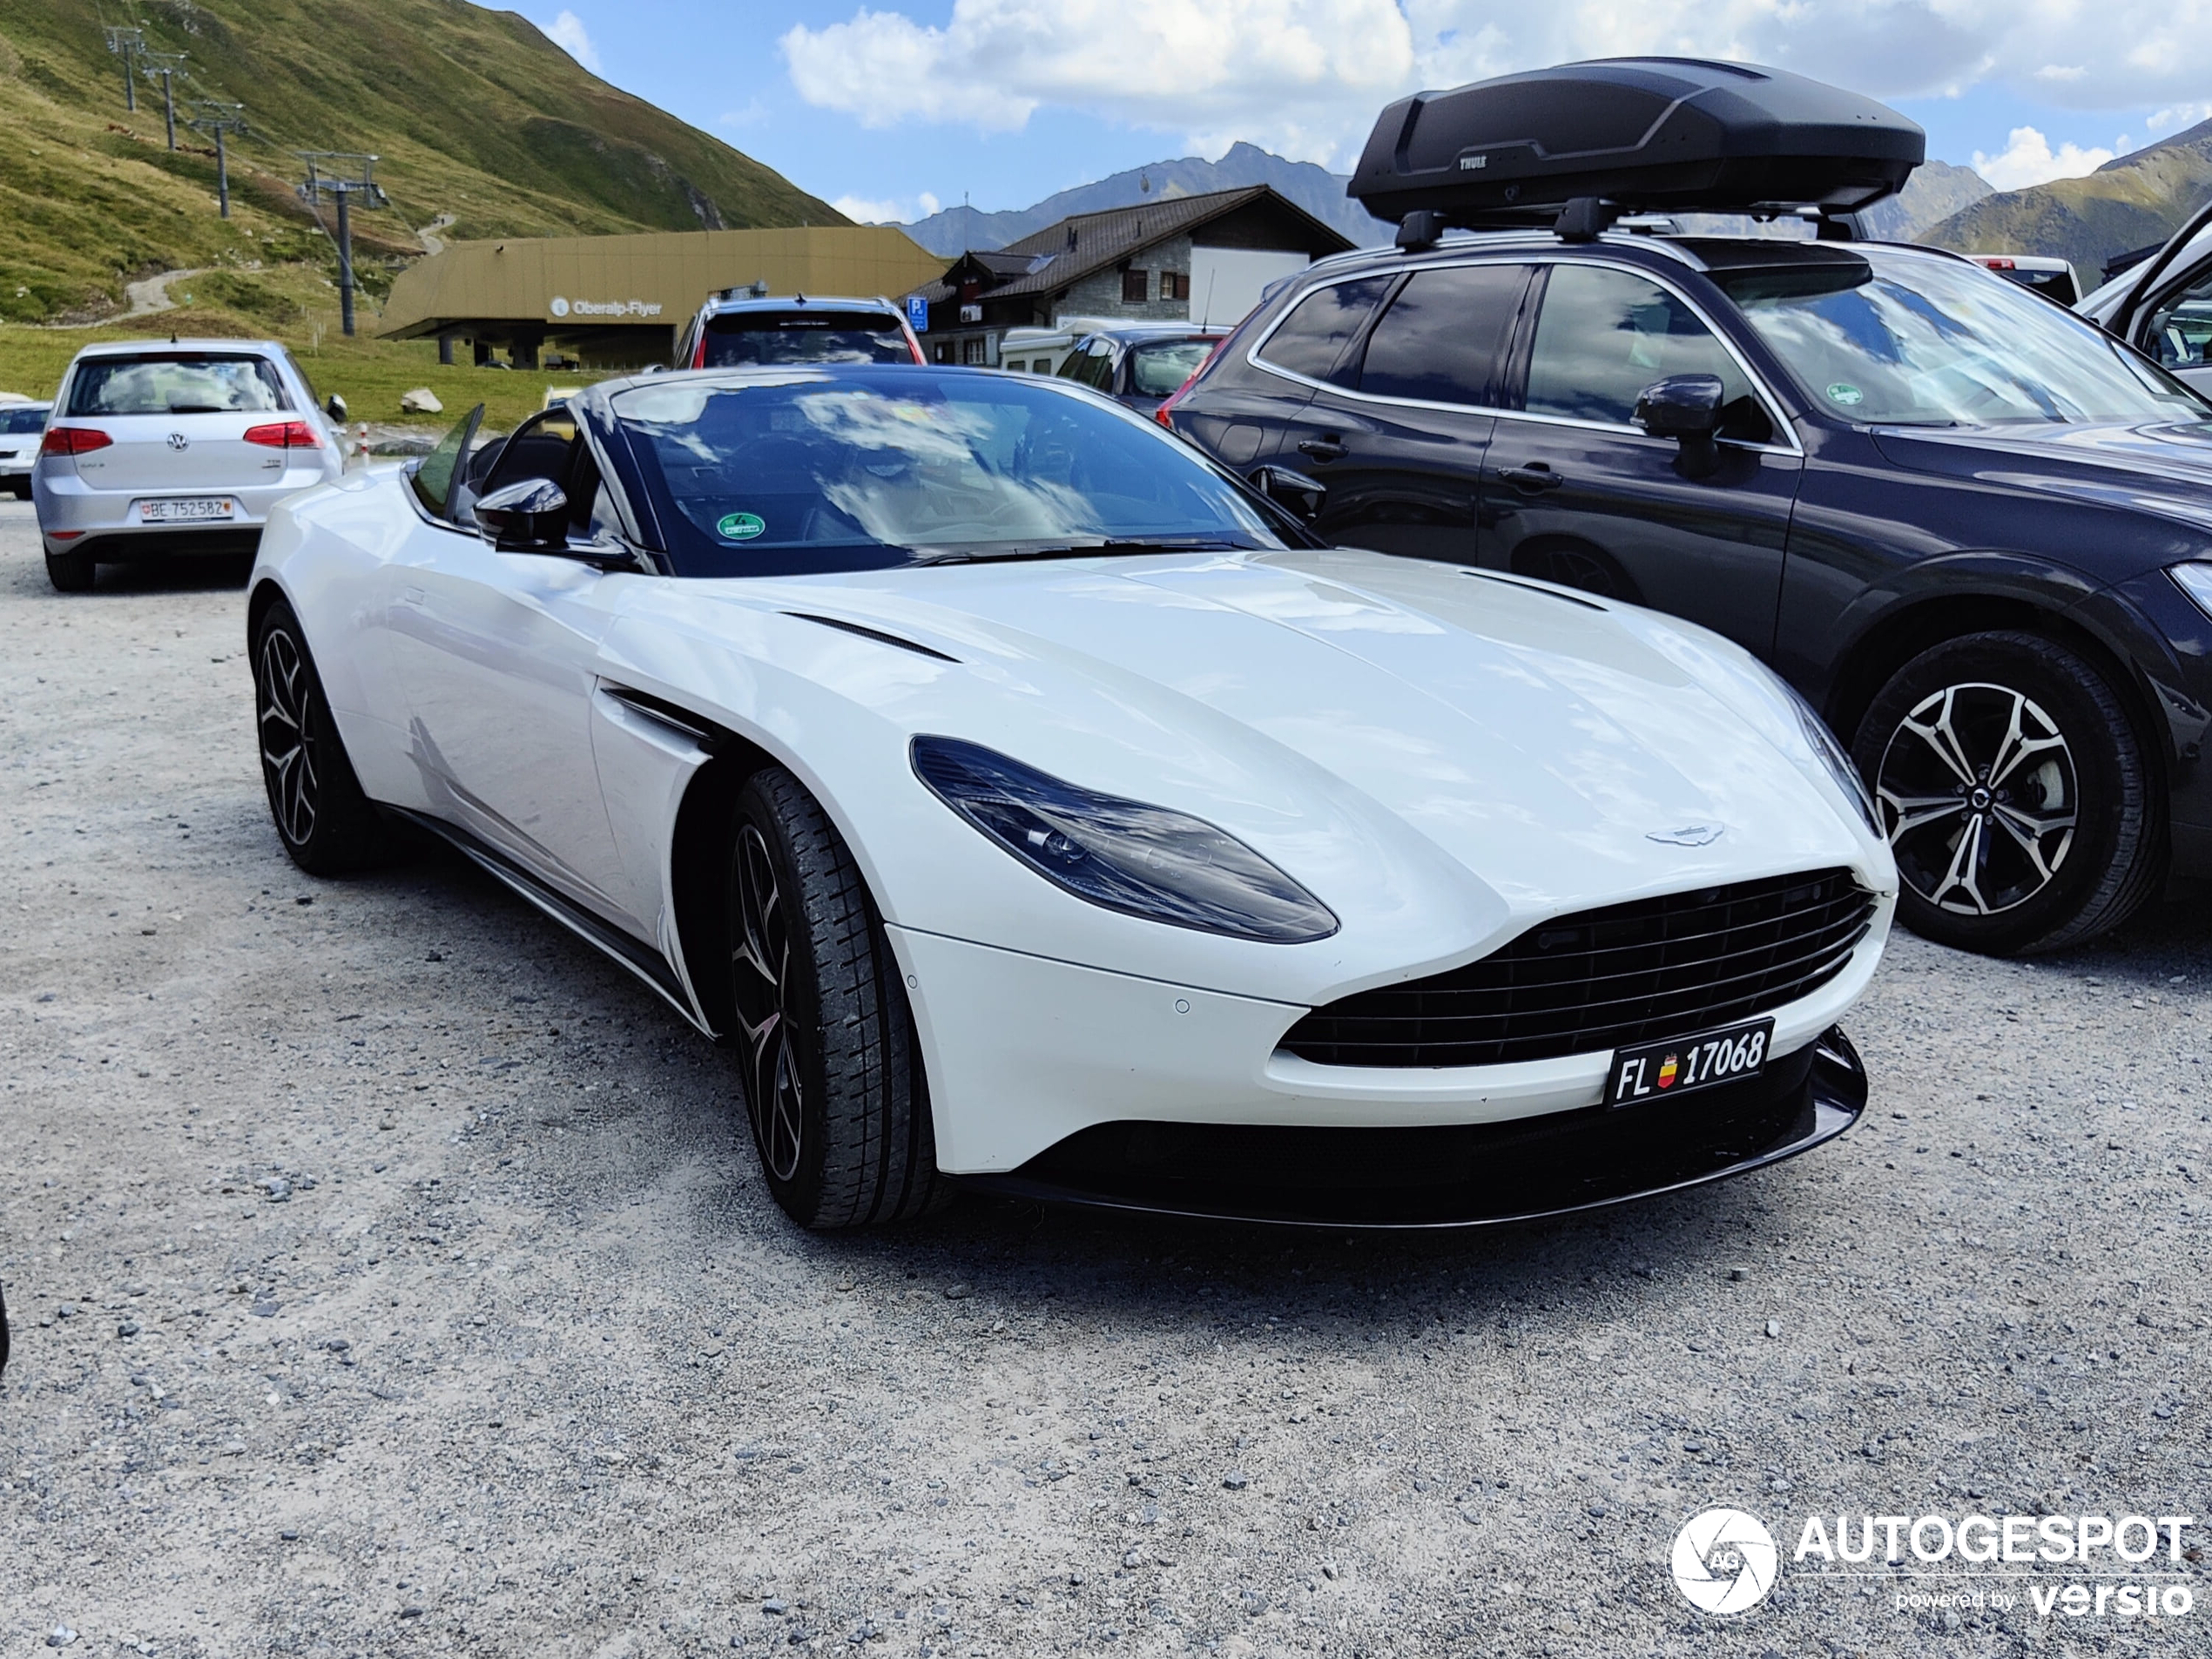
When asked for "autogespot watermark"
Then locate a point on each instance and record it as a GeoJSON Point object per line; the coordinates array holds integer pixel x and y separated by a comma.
{"type": "Point", "coordinates": [2125, 1567]}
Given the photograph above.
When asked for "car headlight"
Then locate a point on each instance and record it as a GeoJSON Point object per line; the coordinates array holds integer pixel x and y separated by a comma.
{"type": "Point", "coordinates": [1124, 855]}
{"type": "Point", "coordinates": [1738, 678]}
{"type": "Point", "coordinates": [2193, 578]}
{"type": "Point", "coordinates": [1833, 756]}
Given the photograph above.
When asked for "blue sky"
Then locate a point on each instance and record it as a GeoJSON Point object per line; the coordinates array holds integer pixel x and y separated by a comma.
{"type": "Point", "coordinates": [892, 106]}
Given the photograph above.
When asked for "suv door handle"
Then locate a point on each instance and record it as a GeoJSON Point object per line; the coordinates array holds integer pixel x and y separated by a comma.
{"type": "Point", "coordinates": [1531, 478]}
{"type": "Point", "coordinates": [1323, 449]}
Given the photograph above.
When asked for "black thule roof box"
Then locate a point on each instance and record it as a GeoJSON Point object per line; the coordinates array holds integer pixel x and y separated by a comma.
{"type": "Point", "coordinates": [1581, 144]}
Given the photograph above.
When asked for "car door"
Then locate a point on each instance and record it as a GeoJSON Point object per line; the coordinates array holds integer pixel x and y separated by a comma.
{"type": "Point", "coordinates": [1400, 431]}
{"type": "Point", "coordinates": [2173, 325]}
{"type": "Point", "coordinates": [498, 652]}
{"type": "Point", "coordinates": [1266, 412]}
{"type": "Point", "coordinates": [1576, 493]}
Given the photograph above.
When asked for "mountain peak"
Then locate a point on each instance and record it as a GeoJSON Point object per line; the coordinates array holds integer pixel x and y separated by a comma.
{"type": "Point", "coordinates": [1320, 193]}
{"type": "Point", "coordinates": [2135, 200]}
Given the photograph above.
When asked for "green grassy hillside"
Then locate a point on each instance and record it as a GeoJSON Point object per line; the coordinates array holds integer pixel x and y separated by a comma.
{"type": "Point", "coordinates": [475, 114]}
{"type": "Point", "coordinates": [2139, 199]}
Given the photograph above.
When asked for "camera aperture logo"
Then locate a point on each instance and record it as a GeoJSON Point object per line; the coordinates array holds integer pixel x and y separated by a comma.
{"type": "Point", "coordinates": [1725, 1561]}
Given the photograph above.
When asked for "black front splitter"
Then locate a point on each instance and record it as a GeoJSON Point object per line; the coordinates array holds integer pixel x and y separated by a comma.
{"type": "Point", "coordinates": [1428, 1178]}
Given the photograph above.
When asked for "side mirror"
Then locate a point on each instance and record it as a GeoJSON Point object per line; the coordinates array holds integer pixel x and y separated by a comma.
{"type": "Point", "coordinates": [336, 408]}
{"type": "Point", "coordinates": [1686, 407]}
{"type": "Point", "coordinates": [530, 515]}
{"type": "Point", "coordinates": [1302, 495]}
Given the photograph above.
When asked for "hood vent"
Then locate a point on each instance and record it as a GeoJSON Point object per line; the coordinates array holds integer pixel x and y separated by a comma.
{"type": "Point", "coordinates": [876, 634]}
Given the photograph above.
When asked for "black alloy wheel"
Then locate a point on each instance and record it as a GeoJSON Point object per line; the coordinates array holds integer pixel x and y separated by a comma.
{"type": "Point", "coordinates": [327, 825]}
{"type": "Point", "coordinates": [761, 973]}
{"type": "Point", "coordinates": [2015, 794]}
{"type": "Point", "coordinates": [832, 1074]}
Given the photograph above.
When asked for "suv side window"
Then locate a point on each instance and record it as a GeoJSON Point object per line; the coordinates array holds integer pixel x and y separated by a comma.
{"type": "Point", "coordinates": [1603, 335]}
{"type": "Point", "coordinates": [1312, 339]}
{"type": "Point", "coordinates": [1444, 336]}
{"type": "Point", "coordinates": [1092, 365]}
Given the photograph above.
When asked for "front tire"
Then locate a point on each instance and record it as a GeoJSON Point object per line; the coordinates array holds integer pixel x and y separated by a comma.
{"type": "Point", "coordinates": [2016, 793]}
{"type": "Point", "coordinates": [833, 1080]}
{"type": "Point", "coordinates": [69, 572]}
{"type": "Point", "coordinates": [327, 825]}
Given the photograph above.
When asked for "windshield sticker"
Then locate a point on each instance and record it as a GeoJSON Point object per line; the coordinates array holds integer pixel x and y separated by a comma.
{"type": "Point", "coordinates": [741, 526]}
{"type": "Point", "coordinates": [1844, 392]}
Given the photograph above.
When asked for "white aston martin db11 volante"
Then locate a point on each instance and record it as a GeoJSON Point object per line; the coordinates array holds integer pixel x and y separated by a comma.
{"type": "Point", "coordinates": [1035, 804]}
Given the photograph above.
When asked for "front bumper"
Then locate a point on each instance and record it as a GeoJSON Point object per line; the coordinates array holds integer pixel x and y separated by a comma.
{"type": "Point", "coordinates": [1024, 1053]}
{"type": "Point", "coordinates": [1455, 1176]}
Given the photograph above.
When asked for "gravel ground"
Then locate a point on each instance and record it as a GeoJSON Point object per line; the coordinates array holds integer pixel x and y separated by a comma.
{"type": "Point", "coordinates": [389, 1276]}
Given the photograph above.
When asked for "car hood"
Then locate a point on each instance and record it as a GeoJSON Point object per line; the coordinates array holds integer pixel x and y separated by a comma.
{"type": "Point", "coordinates": [2160, 466]}
{"type": "Point", "coordinates": [1434, 752]}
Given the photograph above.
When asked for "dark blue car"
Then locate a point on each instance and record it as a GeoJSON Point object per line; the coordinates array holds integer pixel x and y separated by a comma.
{"type": "Point", "coordinates": [1974, 530]}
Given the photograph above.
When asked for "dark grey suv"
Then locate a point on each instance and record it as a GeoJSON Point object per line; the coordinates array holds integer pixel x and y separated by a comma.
{"type": "Point", "coordinates": [1965, 523]}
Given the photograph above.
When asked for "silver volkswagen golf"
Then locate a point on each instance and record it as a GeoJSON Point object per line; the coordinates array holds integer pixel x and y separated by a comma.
{"type": "Point", "coordinates": [157, 448]}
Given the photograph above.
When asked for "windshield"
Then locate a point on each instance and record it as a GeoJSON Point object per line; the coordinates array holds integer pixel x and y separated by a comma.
{"type": "Point", "coordinates": [777, 475]}
{"type": "Point", "coordinates": [20, 419]}
{"type": "Point", "coordinates": [746, 338]}
{"type": "Point", "coordinates": [1157, 370]}
{"type": "Point", "coordinates": [1899, 340]}
{"type": "Point", "coordinates": [174, 383]}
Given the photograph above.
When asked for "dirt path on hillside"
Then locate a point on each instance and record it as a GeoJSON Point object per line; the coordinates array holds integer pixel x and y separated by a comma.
{"type": "Point", "coordinates": [148, 297]}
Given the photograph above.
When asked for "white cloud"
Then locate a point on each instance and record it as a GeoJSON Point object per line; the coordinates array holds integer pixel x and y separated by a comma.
{"type": "Point", "coordinates": [1295, 73]}
{"type": "Point", "coordinates": [567, 32]}
{"type": "Point", "coordinates": [2179, 115]}
{"type": "Point", "coordinates": [863, 211]}
{"type": "Point", "coordinates": [2028, 160]}
{"type": "Point", "coordinates": [1306, 78]}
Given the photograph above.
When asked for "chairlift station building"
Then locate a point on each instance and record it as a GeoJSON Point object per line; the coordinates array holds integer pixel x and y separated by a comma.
{"type": "Point", "coordinates": [619, 299]}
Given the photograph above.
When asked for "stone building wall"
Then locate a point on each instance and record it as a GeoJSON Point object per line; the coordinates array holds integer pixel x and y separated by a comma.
{"type": "Point", "coordinates": [1100, 294]}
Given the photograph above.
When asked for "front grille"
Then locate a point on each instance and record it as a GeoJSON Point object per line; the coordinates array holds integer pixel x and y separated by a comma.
{"type": "Point", "coordinates": [1631, 972]}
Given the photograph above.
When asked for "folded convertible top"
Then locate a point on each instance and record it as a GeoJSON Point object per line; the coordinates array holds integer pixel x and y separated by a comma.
{"type": "Point", "coordinates": [1658, 134]}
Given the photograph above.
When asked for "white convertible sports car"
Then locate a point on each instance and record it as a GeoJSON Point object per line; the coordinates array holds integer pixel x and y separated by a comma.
{"type": "Point", "coordinates": [1034, 804]}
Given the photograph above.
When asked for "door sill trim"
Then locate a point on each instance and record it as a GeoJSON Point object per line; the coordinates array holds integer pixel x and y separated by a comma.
{"type": "Point", "coordinates": [640, 959]}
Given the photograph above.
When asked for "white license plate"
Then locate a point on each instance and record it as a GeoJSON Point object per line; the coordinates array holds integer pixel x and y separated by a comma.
{"type": "Point", "coordinates": [1686, 1064]}
{"type": "Point", "coordinates": [170, 512]}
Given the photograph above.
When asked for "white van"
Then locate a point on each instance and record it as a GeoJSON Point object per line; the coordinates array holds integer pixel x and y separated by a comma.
{"type": "Point", "coordinates": [1041, 351]}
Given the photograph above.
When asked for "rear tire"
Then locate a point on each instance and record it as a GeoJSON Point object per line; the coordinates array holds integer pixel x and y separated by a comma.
{"type": "Point", "coordinates": [833, 1081]}
{"type": "Point", "coordinates": [69, 572]}
{"type": "Point", "coordinates": [327, 825]}
{"type": "Point", "coordinates": [2018, 796]}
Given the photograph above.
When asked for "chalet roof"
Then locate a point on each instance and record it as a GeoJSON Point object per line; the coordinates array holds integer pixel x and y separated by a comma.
{"type": "Point", "coordinates": [1048, 260]}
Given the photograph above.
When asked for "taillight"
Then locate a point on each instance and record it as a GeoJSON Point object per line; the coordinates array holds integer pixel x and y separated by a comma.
{"type": "Point", "coordinates": [72, 440]}
{"type": "Point", "coordinates": [283, 435]}
{"type": "Point", "coordinates": [1999, 262]}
